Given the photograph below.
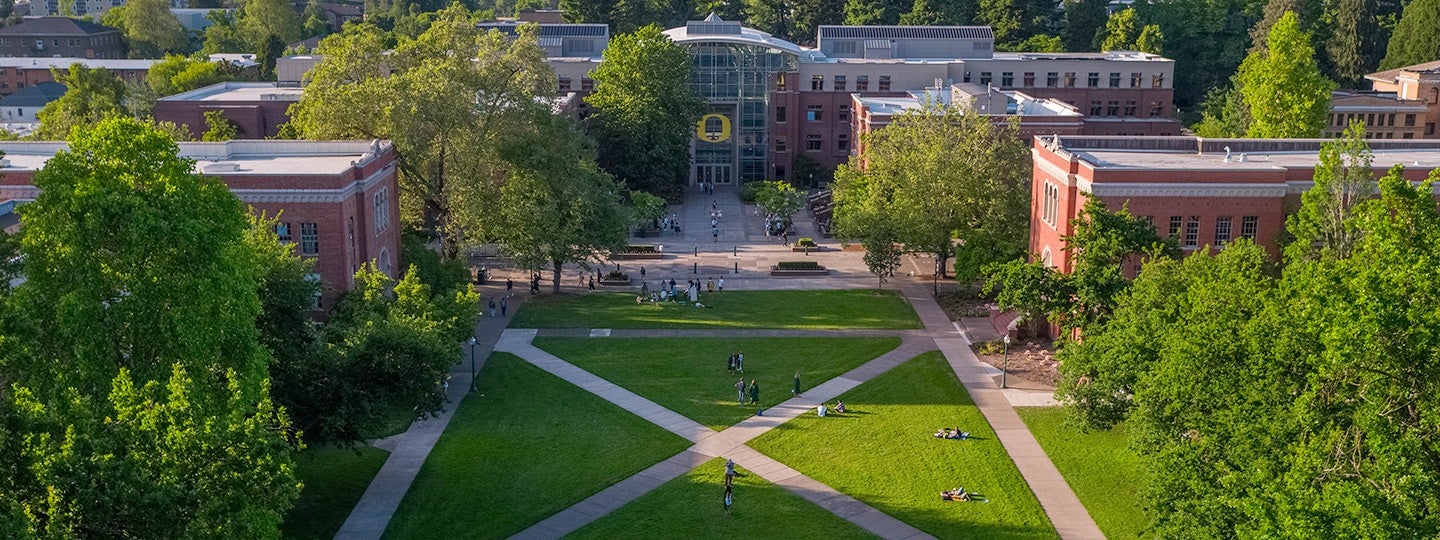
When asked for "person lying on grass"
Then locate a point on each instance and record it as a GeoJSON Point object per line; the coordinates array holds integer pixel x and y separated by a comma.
{"type": "Point", "coordinates": [957, 494]}
{"type": "Point", "coordinates": [947, 433]}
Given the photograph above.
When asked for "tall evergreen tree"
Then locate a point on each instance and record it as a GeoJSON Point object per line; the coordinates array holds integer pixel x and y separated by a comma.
{"type": "Point", "coordinates": [1282, 86]}
{"type": "Point", "coordinates": [922, 14]}
{"type": "Point", "coordinates": [1083, 20]}
{"type": "Point", "coordinates": [1016, 20]}
{"type": "Point", "coordinates": [774, 16]}
{"type": "Point", "coordinates": [810, 14]}
{"type": "Point", "coordinates": [588, 11]}
{"type": "Point", "coordinates": [864, 12]}
{"type": "Point", "coordinates": [1355, 47]}
{"type": "Point", "coordinates": [1416, 39]}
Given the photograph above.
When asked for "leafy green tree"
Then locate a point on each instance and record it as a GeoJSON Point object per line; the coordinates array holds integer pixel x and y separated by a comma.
{"type": "Point", "coordinates": [730, 10]}
{"type": "Point", "coordinates": [644, 111]}
{"type": "Point", "coordinates": [1032, 289]}
{"type": "Point", "coordinates": [882, 255]}
{"type": "Point", "coordinates": [645, 209]}
{"type": "Point", "coordinates": [1151, 40]}
{"type": "Point", "coordinates": [451, 152]}
{"type": "Point", "coordinates": [1015, 20]}
{"type": "Point", "coordinates": [936, 175]}
{"type": "Point", "coordinates": [1282, 87]}
{"type": "Point", "coordinates": [1208, 37]}
{"type": "Point", "coordinates": [1036, 43]}
{"type": "Point", "coordinates": [1084, 19]}
{"type": "Point", "coordinates": [218, 128]}
{"type": "Point", "coordinates": [91, 95]}
{"type": "Point", "coordinates": [1344, 178]}
{"type": "Point", "coordinates": [1224, 115]}
{"type": "Point", "coordinates": [558, 207]}
{"type": "Point", "coordinates": [175, 74]}
{"type": "Point", "coordinates": [139, 405]}
{"type": "Point", "coordinates": [151, 30]}
{"type": "Point", "coordinates": [260, 19]}
{"type": "Point", "coordinates": [588, 11]}
{"type": "Point", "coordinates": [922, 14]}
{"type": "Point", "coordinates": [1120, 31]}
{"type": "Point", "coordinates": [779, 199]}
{"type": "Point", "coordinates": [1416, 38]}
{"type": "Point", "coordinates": [223, 35]}
{"type": "Point", "coordinates": [1356, 42]}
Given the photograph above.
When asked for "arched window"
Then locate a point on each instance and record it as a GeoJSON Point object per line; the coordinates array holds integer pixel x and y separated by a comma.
{"type": "Point", "coordinates": [1045, 257]}
{"type": "Point", "coordinates": [385, 267]}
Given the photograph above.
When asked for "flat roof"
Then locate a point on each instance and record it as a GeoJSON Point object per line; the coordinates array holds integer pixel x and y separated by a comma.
{"type": "Point", "coordinates": [1025, 105]}
{"type": "Point", "coordinates": [240, 91]}
{"type": "Point", "coordinates": [62, 63]}
{"type": "Point", "coordinates": [1198, 154]}
{"type": "Point", "coordinates": [230, 158]}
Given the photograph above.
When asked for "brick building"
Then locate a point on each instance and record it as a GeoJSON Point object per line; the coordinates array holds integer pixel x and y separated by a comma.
{"type": "Point", "coordinates": [61, 37]}
{"type": "Point", "coordinates": [1202, 192]}
{"type": "Point", "coordinates": [1403, 103]}
{"type": "Point", "coordinates": [771, 100]}
{"type": "Point", "coordinates": [256, 108]}
{"type": "Point", "coordinates": [19, 73]}
{"type": "Point", "coordinates": [337, 200]}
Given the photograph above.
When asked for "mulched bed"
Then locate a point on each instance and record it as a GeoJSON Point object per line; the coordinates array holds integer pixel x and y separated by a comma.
{"type": "Point", "coordinates": [1030, 359]}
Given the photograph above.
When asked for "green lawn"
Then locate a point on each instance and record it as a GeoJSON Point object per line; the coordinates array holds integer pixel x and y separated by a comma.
{"type": "Point", "coordinates": [689, 376]}
{"type": "Point", "coordinates": [334, 480]}
{"type": "Point", "coordinates": [824, 309]}
{"type": "Point", "coordinates": [1099, 465]}
{"type": "Point", "coordinates": [690, 507]}
{"type": "Point", "coordinates": [882, 453]}
{"type": "Point", "coordinates": [524, 446]}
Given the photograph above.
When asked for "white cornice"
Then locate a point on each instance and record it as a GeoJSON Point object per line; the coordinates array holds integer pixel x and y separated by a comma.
{"type": "Point", "coordinates": [281, 196]}
{"type": "Point", "coordinates": [1151, 189]}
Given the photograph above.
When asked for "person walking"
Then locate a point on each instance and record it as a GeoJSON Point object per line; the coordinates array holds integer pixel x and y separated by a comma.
{"type": "Point", "coordinates": [796, 391]}
{"type": "Point", "coordinates": [642, 272]}
{"type": "Point", "coordinates": [492, 308]}
{"type": "Point", "coordinates": [721, 284]}
{"type": "Point", "coordinates": [740, 361]}
{"type": "Point", "coordinates": [710, 285]}
{"type": "Point", "coordinates": [754, 392]}
{"type": "Point", "coordinates": [729, 472]}
{"type": "Point", "coordinates": [592, 283]}
{"type": "Point", "coordinates": [504, 305]}
{"type": "Point", "coordinates": [509, 285]}
{"type": "Point", "coordinates": [740, 391]}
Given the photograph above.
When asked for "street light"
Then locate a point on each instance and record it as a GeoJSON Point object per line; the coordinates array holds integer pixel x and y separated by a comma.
{"type": "Point", "coordinates": [472, 363]}
{"type": "Point", "coordinates": [1004, 360]}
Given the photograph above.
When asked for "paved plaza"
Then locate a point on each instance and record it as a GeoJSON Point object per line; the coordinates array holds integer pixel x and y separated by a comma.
{"type": "Point", "coordinates": [746, 247]}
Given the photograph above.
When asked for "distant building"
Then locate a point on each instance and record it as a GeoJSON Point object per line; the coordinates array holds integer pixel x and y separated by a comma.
{"type": "Point", "coordinates": [339, 14]}
{"type": "Point", "coordinates": [1201, 192]}
{"type": "Point", "coordinates": [337, 200]}
{"type": "Point", "coordinates": [19, 73]}
{"type": "Point", "coordinates": [1420, 82]}
{"type": "Point", "coordinates": [1384, 114]}
{"type": "Point", "coordinates": [61, 37]}
{"type": "Point", "coordinates": [18, 110]}
{"type": "Point", "coordinates": [257, 109]}
{"type": "Point", "coordinates": [1036, 116]}
{"type": "Point", "coordinates": [292, 69]}
{"type": "Point", "coordinates": [78, 8]}
{"type": "Point", "coordinates": [194, 19]}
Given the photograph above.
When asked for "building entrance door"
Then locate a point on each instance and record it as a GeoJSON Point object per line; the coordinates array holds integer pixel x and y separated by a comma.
{"type": "Point", "coordinates": [721, 174]}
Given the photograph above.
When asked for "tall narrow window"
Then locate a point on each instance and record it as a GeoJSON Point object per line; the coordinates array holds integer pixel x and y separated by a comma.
{"type": "Point", "coordinates": [382, 210]}
{"type": "Point", "coordinates": [1157, 80]}
{"type": "Point", "coordinates": [564, 84]}
{"type": "Point", "coordinates": [780, 114]}
{"type": "Point", "coordinates": [862, 83]}
{"type": "Point", "coordinates": [1051, 209]}
{"type": "Point", "coordinates": [1130, 108]}
{"type": "Point", "coordinates": [1249, 227]}
{"type": "Point", "coordinates": [1135, 79]}
{"type": "Point", "coordinates": [842, 142]}
{"type": "Point", "coordinates": [1007, 79]}
{"type": "Point", "coordinates": [1093, 80]}
{"type": "Point", "coordinates": [1052, 79]}
{"type": "Point", "coordinates": [1096, 108]}
{"type": "Point", "coordinates": [1114, 79]}
{"type": "Point", "coordinates": [282, 230]}
{"type": "Point", "coordinates": [985, 77]}
{"type": "Point", "coordinates": [1029, 79]}
{"type": "Point", "coordinates": [1222, 230]}
{"type": "Point", "coordinates": [844, 113]}
{"type": "Point", "coordinates": [1070, 79]}
{"type": "Point", "coordinates": [1156, 109]}
{"type": "Point", "coordinates": [309, 239]}
{"type": "Point", "coordinates": [780, 144]}
{"type": "Point", "coordinates": [884, 83]}
{"type": "Point", "coordinates": [1112, 109]}
{"type": "Point", "coordinates": [1175, 226]}
{"type": "Point", "coordinates": [1192, 231]}
{"type": "Point", "coordinates": [779, 82]}
{"type": "Point", "coordinates": [817, 82]}
{"type": "Point", "coordinates": [839, 83]}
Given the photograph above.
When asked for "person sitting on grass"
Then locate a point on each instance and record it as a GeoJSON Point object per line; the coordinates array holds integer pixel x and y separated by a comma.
{"type": "Point", "coordinates": [840, 407]}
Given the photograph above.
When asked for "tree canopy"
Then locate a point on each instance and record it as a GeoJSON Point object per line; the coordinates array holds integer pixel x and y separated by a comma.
{"type": "Point", "coordinates": [644, 111]}
{"type": "Point", "coordinates": [91, 95]}
{"type": "Point", "coordinates": [139, 403]}
{"type": "Point", "coordinates": [1416, 39]}
{"type": "Point", "coordinates": [1282, 87]}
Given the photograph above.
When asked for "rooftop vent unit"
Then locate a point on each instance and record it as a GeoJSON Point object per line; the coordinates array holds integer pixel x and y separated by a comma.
{"type": "Point", "coordinates": [221, 166]}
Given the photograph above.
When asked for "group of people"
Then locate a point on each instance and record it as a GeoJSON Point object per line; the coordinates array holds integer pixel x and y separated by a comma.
{"type": "Point", "coordinates": [776, 226]}
{"type": "Point", "coordinates": [737, 362]}
{"type": "Point", "coordinates": [504, 306]}
{"type": "Point", "coordinates": [751, 390]}
{"type": "Point", "coordinates": [839, 408]}
{"type": "Point", "coordinates": [948, 433]}
{"type": "Point", "coordinates": [670, 223]}
{"type": "Point", "coordinates": [706, 188]}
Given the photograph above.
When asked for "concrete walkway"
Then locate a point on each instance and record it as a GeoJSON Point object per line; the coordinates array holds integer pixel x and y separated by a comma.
{"type": "Point", "coordinates": [408, 450]}
{"type": "Point", "coordinates": [1061, 505]}
{"type": "Point", "coordinates": [710, 444]}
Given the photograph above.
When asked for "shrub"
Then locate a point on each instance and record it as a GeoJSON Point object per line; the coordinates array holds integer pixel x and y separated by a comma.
{"type": "Point", "coordinates": [617, 275]}
{"type": "Point", "coordinates": [749, 191]}
{"type": "Point", "coordinates": [806, 242]}
{"type": "Point", "coordinates": [798, 265]}
{"type": "Point", "coordinates": [639, 249]}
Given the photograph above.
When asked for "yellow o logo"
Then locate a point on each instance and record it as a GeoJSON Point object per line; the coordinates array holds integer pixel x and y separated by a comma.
{"type": "Point", "coordinates": [718, 131]}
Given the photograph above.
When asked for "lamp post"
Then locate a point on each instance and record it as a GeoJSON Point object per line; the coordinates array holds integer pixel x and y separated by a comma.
{"type": "Point", "coordinates": [472, 363]}
{"type": "Point", "coordinates": [1004, 360]}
